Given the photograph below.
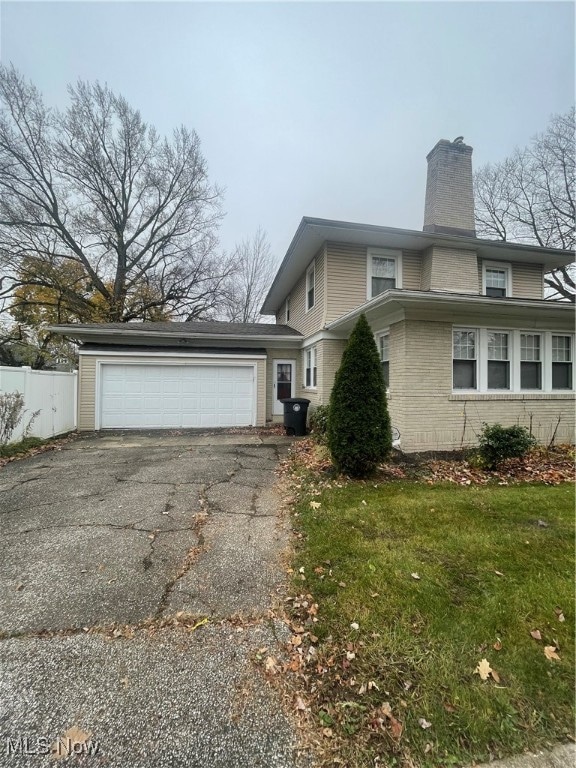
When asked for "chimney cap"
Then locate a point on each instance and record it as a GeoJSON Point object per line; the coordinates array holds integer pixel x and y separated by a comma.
{"type": "Point", "coordinates": [451, 146]}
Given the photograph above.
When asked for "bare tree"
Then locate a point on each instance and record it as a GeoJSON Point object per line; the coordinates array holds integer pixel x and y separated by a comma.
{"type": "Point", "coordinates": [253, 272]}
{"type": "Point", "coordinates": [530, 196]}
{"type": "Point", "coordinates": [132, 214]}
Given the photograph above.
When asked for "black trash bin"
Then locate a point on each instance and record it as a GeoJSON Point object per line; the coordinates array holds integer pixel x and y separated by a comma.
{"type": "Point", "coordinates": [295, 413]}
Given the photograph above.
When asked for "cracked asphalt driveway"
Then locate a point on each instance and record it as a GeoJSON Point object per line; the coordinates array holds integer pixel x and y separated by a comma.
{"type": "Point", "coordinates": [122, 529]}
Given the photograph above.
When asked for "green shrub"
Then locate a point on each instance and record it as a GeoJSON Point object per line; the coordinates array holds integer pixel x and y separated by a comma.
{"type": "Point", "coordinates": [498, 443]}
{"type": "Point", "coordinates": [319, 422]}
{"type": "Point", "coordinates": [359, 435]}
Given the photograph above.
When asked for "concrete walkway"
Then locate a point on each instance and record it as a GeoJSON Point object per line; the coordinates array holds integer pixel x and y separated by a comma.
{"type": "Point", "coordinates": [563, 756]}
{"type": "Point", "coordinates": [102, 544]}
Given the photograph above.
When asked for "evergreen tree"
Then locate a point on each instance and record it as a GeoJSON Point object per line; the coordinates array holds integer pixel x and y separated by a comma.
{"type": "Point", "coordinates": [359, 434]}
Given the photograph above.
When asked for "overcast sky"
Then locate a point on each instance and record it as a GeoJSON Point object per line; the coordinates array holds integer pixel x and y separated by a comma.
{"type": "Point", "coordinates": [319, 109]}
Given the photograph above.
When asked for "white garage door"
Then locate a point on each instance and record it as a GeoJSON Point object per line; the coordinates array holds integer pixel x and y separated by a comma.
{"type": "Point", "coordinates": [166, 396]}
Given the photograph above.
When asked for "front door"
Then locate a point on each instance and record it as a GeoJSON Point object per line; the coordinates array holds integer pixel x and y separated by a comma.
{"type": "Point", "coordinates": [283, 383]}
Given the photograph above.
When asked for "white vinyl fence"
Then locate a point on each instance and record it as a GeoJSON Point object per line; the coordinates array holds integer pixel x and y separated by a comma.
{"type": "Point", "coordinates": [52, 393]}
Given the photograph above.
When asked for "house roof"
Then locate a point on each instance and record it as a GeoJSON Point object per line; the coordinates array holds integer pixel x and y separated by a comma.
{"type": "Point", "coordinates": [312, 233]}
{"type": "Point", "coordinates": [457, 306]}
{"type": "Point", "coordinates": [176, 332]}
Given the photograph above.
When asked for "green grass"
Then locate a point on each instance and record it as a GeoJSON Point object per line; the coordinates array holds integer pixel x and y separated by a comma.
{"type": "Point", "coordinates": [14, 449]}
{"type": "Point", "coordinates": [420, 641]}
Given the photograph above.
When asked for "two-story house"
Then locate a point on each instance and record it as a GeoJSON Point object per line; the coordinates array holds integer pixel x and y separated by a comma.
{"type": "Point", "coordinates": [463, 330]}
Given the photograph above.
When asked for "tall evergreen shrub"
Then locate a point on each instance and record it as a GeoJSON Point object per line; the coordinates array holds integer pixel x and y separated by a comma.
{"type": "Point", "coordinates": [359, 435]}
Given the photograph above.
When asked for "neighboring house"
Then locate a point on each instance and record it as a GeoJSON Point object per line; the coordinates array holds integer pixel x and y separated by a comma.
{"type": "Point", "coordinates": [464, 333]}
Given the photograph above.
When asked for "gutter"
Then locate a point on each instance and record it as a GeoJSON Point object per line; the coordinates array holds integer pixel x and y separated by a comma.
{"type": "Point", "coordinates": [67, 330]}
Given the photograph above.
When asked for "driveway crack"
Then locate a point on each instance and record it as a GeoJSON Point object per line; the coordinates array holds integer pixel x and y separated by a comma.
{"type": "Point", "coordinates": [189, 559]}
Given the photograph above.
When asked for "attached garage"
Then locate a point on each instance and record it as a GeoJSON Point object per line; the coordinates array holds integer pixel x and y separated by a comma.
{"type": "Point", "coordinates": [180, 375]}
{"type": "Point", "coordinates": [161, 396]}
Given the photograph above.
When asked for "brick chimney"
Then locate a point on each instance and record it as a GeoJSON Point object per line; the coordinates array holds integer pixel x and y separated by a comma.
{"type": "Point", "coordinates": [449, 206]}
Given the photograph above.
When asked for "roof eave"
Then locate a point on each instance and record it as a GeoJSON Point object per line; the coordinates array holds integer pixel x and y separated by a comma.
{"type": "Point", "coordinates": [551, 258]}
{"type": "Point", "coordinates": [68, 330]}
{"type": "Point", "coordinates": [403, 297]}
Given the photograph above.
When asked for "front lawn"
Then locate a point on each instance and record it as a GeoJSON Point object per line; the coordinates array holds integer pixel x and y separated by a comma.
{"type": "Point", "coordinates": [416, 585]}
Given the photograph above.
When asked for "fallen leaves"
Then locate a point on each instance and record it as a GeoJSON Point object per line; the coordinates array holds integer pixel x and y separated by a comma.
{"type": "Point", "coordinates": [536, 634]}
{"type": "Point", "coordinates": [552, 466]}
{"type": "Point", "coordinates": [423, 723]}
{"type": "Point", "coordinates": [550, 651]}
{"type": "Point", "coordinates": [415, 576]}
{"type": "Point", "coordinates": [483, 669]}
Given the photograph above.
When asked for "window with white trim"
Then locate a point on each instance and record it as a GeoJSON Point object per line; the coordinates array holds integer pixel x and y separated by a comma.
{"type": "Point", "coordinates": [561, 362]}
{"type": "Point", "coordinates": [384, 271]}
{"type": "Point", "coordinates": [384, 349]}
{"type": "Point", "coordinates": [530, 361]}
{"type": "Point", "coordinates": [488, 360]}
{"type": "Point", "coordinates": [464, 357]}
{"type": "Point", "coordinates": [498, 361]}
{"type": "Point", "coordinates": [310, 286]}
{"type": "Point", "coordinates": [496, 279]}
{"type": "Point", "coordinates": [310, 380]}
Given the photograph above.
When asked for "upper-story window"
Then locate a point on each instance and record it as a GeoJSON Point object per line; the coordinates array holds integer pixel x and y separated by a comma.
{"type": "Point", "coordinates": [310, 286]}
{"type": "Point", "coordinates": [384, 271]}
{"type": "Point", "coordinates": [496, 279]}
{"type": "Point", "coordinates": [287, 315]}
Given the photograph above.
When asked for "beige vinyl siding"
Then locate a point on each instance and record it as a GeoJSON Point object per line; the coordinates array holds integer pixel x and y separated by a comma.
{"type": "Point", "coordinates": [281, 354]}
{"type": "Point", "coordinates": [426, 273]}
{"type": "Point", "coordinates": [86, 392]}
{"type": "Point", "coordinates": [308, 322]}
{"type": "Point", "coordinates": [87, 381]}
{"type": "Point", "coordinates": [347, 278]}
{"type": "Point", "coordinates": [347, 271]}
{"type": "Point", "coordinates": [527, 281]}
{"type": "Point", "coordinates": [454, 270]}
{"type": "Point", "coordinates": [411, 270]}
{"type": "Point", "coordinates": [261, 393]}
{"type": "Point", "coordinates": [433, 418]}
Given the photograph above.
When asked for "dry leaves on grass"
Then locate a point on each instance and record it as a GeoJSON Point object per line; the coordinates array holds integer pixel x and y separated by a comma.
{"type": "Point", "coordinates": [550, 651]}
{"type": "Point", "coordinates": [485, 671]}
{"type": "Point", "coordinates": [551, 466]}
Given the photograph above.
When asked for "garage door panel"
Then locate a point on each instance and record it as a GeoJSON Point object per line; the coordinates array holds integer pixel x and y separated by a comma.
{"type": "Point", "coordinates": [173, 396]}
